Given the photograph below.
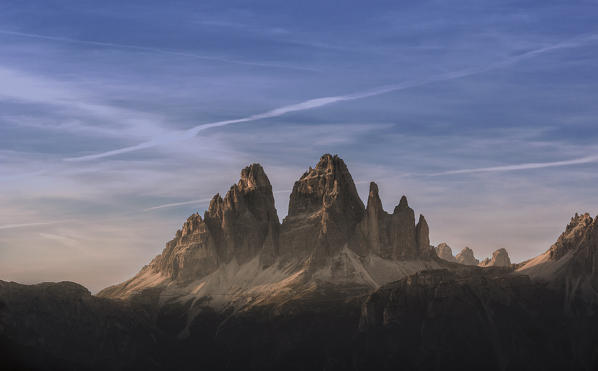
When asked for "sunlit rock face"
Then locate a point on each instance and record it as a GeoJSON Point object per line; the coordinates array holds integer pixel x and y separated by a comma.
{"type": "Point", "coordinates": [572, 261]}
{"type": "Point", "coordinates": [581, 234]}
{"type": "Point", "coordinates": [245, 223]}
{"type": "Point", "coordinates": [444, 251]}
{"type": "Point", "coordinates": [324, 209]}
{"type": "Point", "coordinates": [192, 252]}
{"type": "Point", "coordinates": [391, 236]}
{"type": "Point", "coordinates": [239, 226]}
{"type": "Point", "coordinates": [500, 258]}
{"type": "Point", "coordinates": [466, 257]}
{"type": "Point", "coordinates": [240, 248]}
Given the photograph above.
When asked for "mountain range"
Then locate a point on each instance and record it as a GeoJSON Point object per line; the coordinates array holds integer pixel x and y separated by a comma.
{"type": "Point", "coordinates": [336, 285]}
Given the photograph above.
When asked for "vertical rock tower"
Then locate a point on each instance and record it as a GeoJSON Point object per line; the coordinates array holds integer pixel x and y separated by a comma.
{"type": "Point", "coordinates": [327, 229]}
{"type": "Point", "coordinates": [324, 209]}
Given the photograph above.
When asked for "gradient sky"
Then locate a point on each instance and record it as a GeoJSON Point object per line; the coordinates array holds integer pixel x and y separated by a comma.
{"type": "Point", "coordinates": [483, 113]}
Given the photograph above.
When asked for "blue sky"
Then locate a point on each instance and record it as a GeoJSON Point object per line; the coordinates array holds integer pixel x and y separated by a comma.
{"type": "Point", "coordinates": [482, 113]}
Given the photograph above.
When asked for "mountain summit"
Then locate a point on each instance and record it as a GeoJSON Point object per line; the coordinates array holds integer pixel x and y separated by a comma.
{"type": "Point", "coordinates": [571, 263]}
{"type": "Point", "coordinates": [240, 250]}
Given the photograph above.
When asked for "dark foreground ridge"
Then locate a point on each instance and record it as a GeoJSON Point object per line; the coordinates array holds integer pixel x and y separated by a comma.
{"type": "Point", "coordinates": [338, 285]}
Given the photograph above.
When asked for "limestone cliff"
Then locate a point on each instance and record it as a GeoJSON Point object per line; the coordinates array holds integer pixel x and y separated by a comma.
{"type": "Point", "coordinates": [444, 251]}
{"type": "Point", "coordinates": [391, 236]}
{"type": "Point", "coordinates": [240, 249]}
{"type": "Point", "coordinates": [466, 257]}
{"type": "Point", "coordinates": [500, 258]}
{"type": "Point", "coordinates": [572, 261]}
{"type": "Point", "coordinates": [324, 209]}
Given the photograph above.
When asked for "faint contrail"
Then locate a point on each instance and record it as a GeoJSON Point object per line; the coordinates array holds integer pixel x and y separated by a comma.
{"type": "Point", "coordinates": [153, 50]}
{"type": "Point", "coordinates": [174, 204]}
{"type": "Point", "coordinates": [320, 102]}
{"type": "Point", "coordinates": [23, 225]}
{"type": "Point", "coordinates": [526, 166]}
{"type": "Point", "coordinates": [191, 202]}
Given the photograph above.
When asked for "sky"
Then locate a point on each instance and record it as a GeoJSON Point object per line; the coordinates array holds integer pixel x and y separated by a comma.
{"type": "Point", "coordinates": [120, 119]}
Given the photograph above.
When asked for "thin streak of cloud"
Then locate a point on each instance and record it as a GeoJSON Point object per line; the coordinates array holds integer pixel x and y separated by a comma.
{"type": "Point", "coordinates": [193, 202]}
{"type": "Point", "coordinates": [324, 101]}
{"type": "Point", "coordinates": [175, 204]}
{"type": "Point", "coordinates": [65, 240]}
{"type": "Point", "coordinates": [526, 166]}
{"type": "Point", "coordinates": [154, 50]}
{"type": "Point", "coordinates": [25, 225]}
{"type": "Point", "coordinates": [26, 87]}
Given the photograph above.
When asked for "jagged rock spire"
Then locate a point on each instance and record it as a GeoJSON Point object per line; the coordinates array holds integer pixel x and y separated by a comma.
{"type": "Point", "coordinates": [576, 231]}
{"type": "Point", "coordinates": [422, 235]}
{"type": "Point", "coordinates": [500, 258]}
{"type": "Point", "coordinates": [245, 218]}
{"type": "Point", "coordinates": [403, 233]}
{"type": "Point", "coordinates": [444, 251]}
{"type": "Point", "coordinates": [328, 185]}
{"type": "Point", "coordinates": [403, 204]}
{"type": "Point", "coordinates": [240, 226]}
{"type": "Point", "coordinates": [467, 257]}
{"type": "Point", "coordinates": [374, 203]}
{"type": "Point", "coordinates": [572, 258]}
{"type": "Point", "coordinates": [391, 236]}
{"type": "Point", "coordinates": [324, 209]}
{"type": "Point", "coordinates": [326, 216]}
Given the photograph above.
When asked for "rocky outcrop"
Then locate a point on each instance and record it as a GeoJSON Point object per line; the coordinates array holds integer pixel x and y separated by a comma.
{"type": "Point", "coordinates": [245, 223]}
{"type": "Point", "coordinates": [444, 251]}
{"type": "Point", "coordinates": [404, 239]}
{"type": "Point", "coordinates": [391, 236]}
{"type": "Point", "coordinates": [324, 209]}
{"type": "Point", "coordinates": [422, 239]}
{"type": "Point", "coordinates": [466, 257]}
{"type": "Point", "coordinates": [580, 234]}
{"type": "Point", "coordinates": [572, 261]}
{"type": "Point", "coordinates": [240, 226]}
{"type": "Point", "coordinates": [328, 232]}
{"type": "Point", "coordinates": [500, 258]}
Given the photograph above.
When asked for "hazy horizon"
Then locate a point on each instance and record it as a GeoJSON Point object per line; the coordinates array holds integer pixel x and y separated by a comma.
{"type": "Point", "coordinates": [118, 121]}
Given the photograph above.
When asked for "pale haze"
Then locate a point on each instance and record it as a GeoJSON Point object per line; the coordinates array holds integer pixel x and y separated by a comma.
{"type": "Point", "coordinates": [118, 121]}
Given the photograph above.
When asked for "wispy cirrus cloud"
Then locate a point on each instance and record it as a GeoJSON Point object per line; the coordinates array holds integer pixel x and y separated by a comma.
{"type": "Point", "coordinates": [324, 101]}
{"type": "Point", "coordinates": [524, 166]}
{"type": "Point", "coordinates": [176, 204]}
{"type": "Point", "coordinates": [202, 201]}
{"type": "Point", "coordinates": [25, 225]}
{"type": "Point", "coordinates": [154, 50]}
{"type": "Point", "coordinates": [20, 86]}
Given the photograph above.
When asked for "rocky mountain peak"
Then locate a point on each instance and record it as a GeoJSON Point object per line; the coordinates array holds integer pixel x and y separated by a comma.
{"type": "Point", "coordinates": [215, 205]}
{"type": "Point", "coordinates": [241, 226]}
{"type": "Point", "coordinates": [578, 230]}
{"type": "Point", "coordinates": [444, 251]}
{"type": "Point", "coordinates": [572, 261]}
{"type": "Point", "coordinates": [328, 229]}
{"type": "Point", "coordinates": [328, 185]}
{"type": "Point", "coordinates": [324, 209]}
{"type": "Point", "coordinates": [403, 205]}
{"type": "Point", "coordinates": [467, 257]}
{"type": "Point", "coordinates": [500, 258]}
{"type": "Point", "coordinates": [374, 203]}
{"type": "Point", "coordinates": [422, 237]}
{"type": "Point", "coordinates": [253, 176]}
{"type": "Point", "coordinates": [392, 236]}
